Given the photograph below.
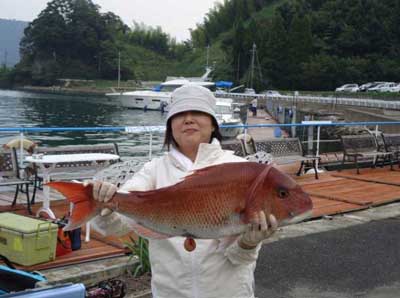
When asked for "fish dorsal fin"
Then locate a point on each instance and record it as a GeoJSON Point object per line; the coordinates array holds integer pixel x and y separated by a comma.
{"type": "Point", "coordinates": [252, 203]}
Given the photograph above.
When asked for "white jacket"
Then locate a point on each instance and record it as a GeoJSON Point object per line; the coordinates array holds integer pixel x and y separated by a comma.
{"type": "Point", "coordinates": [206, 272]}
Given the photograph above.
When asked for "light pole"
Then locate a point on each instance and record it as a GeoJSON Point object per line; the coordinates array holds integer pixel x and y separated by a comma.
{"type": "Point", "coordinates": [5, 58]}
{"type": "Point", "coordinates": [119, 68]}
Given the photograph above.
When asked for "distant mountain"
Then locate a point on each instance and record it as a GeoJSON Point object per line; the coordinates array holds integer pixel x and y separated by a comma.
{"type": "Point", "coordinates": [11, 33]}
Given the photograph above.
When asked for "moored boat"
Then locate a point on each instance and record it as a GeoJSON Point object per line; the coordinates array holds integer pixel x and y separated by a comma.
{"type": "Point", "coordinates": [225, 116]}
{"type": "Point", "coordinates": [158, 98]}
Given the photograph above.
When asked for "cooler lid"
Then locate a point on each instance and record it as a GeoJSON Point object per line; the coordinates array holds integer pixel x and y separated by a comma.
{"type": "Point", "coordinates": [23, 224]}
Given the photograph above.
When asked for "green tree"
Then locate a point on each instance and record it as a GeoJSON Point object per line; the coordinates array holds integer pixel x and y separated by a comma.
{"type": "Point", "coordinates": [300, 47]}
{"type": "Point", "coordinates": [275, 59]}
{"type": "Point", "coordinates": [70, 38]}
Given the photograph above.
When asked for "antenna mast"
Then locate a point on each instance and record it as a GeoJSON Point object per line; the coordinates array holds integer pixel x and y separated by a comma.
{"type": "Point", "coordinates": [119, 68]}
{"type": "Point", "coordinates": [253, 51]}
{"type": "Point", "coordinates": [5, 58]}
{"type": "Point", "coordinates": [208, 53]}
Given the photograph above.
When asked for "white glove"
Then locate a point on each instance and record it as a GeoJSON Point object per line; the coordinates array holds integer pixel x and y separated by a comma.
{"type": "Point", "coordinates": [102, 192]}
{"type": "Point", "coordinates": [258, 230]}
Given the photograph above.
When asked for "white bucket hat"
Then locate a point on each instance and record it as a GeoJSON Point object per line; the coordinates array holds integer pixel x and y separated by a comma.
{"type": "Point", "coordinates": [192, 97]}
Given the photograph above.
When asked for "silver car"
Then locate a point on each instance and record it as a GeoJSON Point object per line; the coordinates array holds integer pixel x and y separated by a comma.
{"type": "Point", "coordinates": [347, 88]}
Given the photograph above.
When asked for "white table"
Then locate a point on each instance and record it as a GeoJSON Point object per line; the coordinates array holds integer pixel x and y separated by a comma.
{"type": "Point", "coordinates": [48, 163]}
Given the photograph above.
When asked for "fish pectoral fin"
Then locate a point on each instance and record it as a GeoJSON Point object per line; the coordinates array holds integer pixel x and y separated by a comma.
{"type": "Point", "coordinates": [255, 196]}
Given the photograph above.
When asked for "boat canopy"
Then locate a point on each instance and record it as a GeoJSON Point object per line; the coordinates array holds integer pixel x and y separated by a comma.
{"type": "Point", "coordinates": [182, 82]}
{"type": "Point", "coordinates": [223, 84]}
{"type": "Point", "coordinates": [157, 88]}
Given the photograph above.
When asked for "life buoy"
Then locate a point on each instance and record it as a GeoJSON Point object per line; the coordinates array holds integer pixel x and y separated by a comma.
{"type": "Point", "coordinates": [27, 144]}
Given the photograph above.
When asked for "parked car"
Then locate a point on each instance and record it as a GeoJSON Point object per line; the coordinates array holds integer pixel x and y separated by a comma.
{"type": "Point", "coordinates": [249, 91]}
{"type": "Point", "coordinates": [220, 91]}
{"type": "Point", "coordinates": [347, 88]}
{"type": "Point", "coordinates": [366, 86]}
{"type": "Point", "coordinates": [384, 87]}
{"type": "Point", "coordinates": [395, 88]}
{"type": "Point", "coordinates": [272, 93]}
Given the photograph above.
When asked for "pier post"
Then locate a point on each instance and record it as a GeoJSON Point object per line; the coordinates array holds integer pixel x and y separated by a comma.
{"type": "Point", "coordinates": [293, 121]}
{"type": "Point", "coordinates": [310, 135]}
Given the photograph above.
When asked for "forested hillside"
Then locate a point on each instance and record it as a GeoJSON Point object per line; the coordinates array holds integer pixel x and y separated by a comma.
{"type": "Point", "coordinates": [307, 44]}
{"type": "Point", "coordinates": [11, 32]}
{"type": "Point", "coordinates": [301, 44]}
{"type": "Point", "coordinates": [72, 39]}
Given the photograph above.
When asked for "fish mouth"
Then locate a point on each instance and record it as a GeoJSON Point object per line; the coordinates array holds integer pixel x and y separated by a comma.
{"type": "Point", "coordinates": [296, 219]}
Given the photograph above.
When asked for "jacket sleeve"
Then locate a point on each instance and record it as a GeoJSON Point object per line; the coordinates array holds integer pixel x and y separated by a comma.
{"type": "Point", "coordinates": [240, 256]}
{"type": "Point", "coordinates": [118, 224]}
{"type": "Point", "coordinates": [143, 180]}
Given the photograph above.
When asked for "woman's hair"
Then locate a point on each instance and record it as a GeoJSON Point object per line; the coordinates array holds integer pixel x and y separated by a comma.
{"type": "Point", "coordinates": [169, 138]}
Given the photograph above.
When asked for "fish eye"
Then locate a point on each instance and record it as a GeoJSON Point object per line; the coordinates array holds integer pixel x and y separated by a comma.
{"type": "Point", "coordinates": [283, 193]}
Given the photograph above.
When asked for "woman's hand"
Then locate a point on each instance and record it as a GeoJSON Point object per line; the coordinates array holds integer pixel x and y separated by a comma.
{"type": "Point", "coordinates": [259, 230]}
{"type": "Point", "coordinates": [102, 192]}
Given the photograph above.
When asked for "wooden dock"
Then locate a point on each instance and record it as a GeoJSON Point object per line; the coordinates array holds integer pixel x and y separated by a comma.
{"type": "Point", "coordinates": [334, 193]}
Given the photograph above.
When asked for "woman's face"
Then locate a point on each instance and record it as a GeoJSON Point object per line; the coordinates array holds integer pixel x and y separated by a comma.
{"type": "Point", "coordinates": [189, 129]}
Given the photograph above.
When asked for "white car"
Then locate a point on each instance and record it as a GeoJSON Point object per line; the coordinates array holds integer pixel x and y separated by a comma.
{"type": "Point", "coordinates": [384, 87]}
{"type": "Point", "coordinates": [366, 86]}
{"type": "Point", "coordinates": [249, 91]}
{"type": "Point", "coordinates": [272, 93]}
{"type": "Point", "coordinates": [220, 91]}
{"type": "Point", "coordinates": [347, 88]}
{"type": "Point", "coordinates": [395, 88]}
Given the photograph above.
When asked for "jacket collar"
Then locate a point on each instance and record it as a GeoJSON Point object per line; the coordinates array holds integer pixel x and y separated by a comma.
{"type": "Point", "coordinates": [206, 155]}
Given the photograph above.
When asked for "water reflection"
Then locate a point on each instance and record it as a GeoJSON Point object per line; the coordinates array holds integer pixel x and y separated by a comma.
{"type": "Point", "coordinates": [19, 109]}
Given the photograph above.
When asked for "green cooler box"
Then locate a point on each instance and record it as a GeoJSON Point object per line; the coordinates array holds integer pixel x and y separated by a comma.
{"type": "Point", "coordinates": [27, 241]}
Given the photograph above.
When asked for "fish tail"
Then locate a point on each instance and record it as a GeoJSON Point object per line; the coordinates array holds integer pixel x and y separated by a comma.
{"type": "Point", "coordinates": [85, 207]}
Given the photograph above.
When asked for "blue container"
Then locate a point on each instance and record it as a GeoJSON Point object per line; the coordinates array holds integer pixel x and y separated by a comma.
{"type": "Point", "coordinates": [75, 236]}
{"type": "Point", "coordinates": [62, 291]}
{"type": "Point", "coordinates": [277, 132]}
{"type": "Point", "coordinates": [13, 280]}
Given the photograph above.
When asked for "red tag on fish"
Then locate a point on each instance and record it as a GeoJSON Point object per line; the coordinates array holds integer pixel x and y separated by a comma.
{"type": "Point", "coordinates": [189, 244]}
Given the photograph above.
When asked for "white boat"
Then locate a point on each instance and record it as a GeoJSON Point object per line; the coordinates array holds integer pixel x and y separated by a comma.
{"type": "Point", "coordinates": [140, 99]}
{"type": "Point", "coordinates": [225, 116]}
{"type": "Point", "coordinates": [158, 98]}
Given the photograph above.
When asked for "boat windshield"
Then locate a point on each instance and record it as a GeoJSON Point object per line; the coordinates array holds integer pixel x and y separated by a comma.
{"type": "Point", "coordinates": [223, 109]}
{"type": "Point", "coordinates": [169, 88]}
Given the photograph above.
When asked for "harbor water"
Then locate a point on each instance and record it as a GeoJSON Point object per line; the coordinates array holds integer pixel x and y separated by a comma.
{"type": "Point", "coordinates": [23, 109]}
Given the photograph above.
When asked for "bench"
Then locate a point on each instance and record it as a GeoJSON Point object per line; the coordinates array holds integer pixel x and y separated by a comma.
{"type": "Point", "coordinates": [363, 147]}
{"type": "Point", "coordinates": [9, 175]}
{"type": "Point", "coordinates": [234, 145]}
{"type": "Point", "coordinates": [72, 170]}
{"type": "Point", "coordinates": [287, 150]}
{"type": "Point", "coordinates": [120, 172]}
{"type": "Point", "coordinates": [392, 144]}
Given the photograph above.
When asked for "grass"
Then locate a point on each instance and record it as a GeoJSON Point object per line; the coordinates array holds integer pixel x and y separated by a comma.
{"type": "Point", "coordinates": [139, 248]}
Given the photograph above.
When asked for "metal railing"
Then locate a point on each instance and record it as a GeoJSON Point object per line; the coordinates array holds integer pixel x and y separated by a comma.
{"type": "Point", "coordinates": [348, 101]}
{"type": "Point", "coordinates": [150, 130]}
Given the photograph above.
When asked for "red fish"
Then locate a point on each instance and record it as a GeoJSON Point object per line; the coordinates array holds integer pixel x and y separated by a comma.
{"type": "Point", "coordinates": [212, 203]}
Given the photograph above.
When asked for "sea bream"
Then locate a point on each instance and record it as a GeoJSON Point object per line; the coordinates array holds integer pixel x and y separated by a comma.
{"type": "Point", "coordinates": [211, 203]}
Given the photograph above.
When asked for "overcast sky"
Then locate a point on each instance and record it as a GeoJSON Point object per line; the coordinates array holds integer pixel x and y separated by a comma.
{"type": "Point", "coordinates": [174, 16]}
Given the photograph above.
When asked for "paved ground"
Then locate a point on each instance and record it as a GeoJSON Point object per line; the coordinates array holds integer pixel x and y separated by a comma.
{"type": "Point", "coordinates": [361, 258]}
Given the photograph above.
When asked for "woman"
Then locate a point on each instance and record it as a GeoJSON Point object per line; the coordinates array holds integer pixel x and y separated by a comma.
{"type": "Point", "coordinates": [192, 138]}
